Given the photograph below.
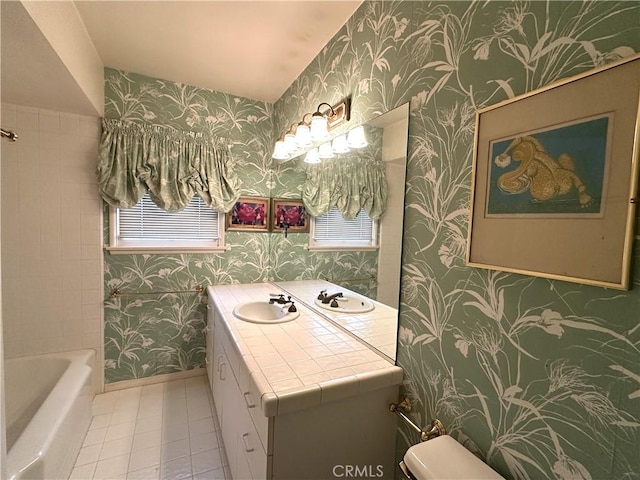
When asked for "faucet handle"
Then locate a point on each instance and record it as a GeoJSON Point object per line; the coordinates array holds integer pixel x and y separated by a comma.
{"type": "Point", "coordinates": [323, 293]}
{"type": "Point", "coordinates": [292, 308]}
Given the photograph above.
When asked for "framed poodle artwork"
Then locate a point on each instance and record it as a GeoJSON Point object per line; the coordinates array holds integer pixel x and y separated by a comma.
{"type": "Point", "coordinates": [249, 214]}
{"type": "Point", "coordinates": [555, 179]}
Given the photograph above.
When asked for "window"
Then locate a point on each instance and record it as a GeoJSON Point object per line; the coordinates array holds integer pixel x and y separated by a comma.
{"type": "Point", "coordinates": [148, 228]}
{"type": "Point", "coordinates": [333, 231]}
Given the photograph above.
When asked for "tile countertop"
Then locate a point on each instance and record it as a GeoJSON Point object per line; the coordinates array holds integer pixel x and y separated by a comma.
{"type": "Point", "coordinates": [303, 363]}
{"type": "Point", "coordinates": [378, 328]}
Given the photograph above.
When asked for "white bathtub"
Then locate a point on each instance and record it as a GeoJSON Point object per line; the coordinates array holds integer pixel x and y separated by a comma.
{"type": "Point", "coordinates": [48, 412]}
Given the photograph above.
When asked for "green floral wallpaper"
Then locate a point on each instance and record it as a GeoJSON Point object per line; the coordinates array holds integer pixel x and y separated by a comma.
{"type": "Point", "coordinates": [540, 378]}
{"type": "Point", "coordinates": [148, 335]}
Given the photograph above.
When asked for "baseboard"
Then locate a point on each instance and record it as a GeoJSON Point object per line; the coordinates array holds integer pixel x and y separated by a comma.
{"type": "Point", "coordinates": [166, 377]}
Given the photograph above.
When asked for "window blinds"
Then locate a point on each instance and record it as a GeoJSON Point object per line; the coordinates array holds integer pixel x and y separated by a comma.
{"type": "Point", "coordinates": [145, 221]}
{"type": "Point", "coordinates": [333, 229]}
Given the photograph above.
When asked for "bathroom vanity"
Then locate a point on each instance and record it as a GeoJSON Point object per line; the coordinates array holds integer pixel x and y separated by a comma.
{"type": "Point", "coordinates": [303, 399]}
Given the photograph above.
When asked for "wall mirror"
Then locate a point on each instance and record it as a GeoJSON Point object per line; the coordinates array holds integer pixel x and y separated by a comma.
{"type": "Point", "coordinates": [373, 273]}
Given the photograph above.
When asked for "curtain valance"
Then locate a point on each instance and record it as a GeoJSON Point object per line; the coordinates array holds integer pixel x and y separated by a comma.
{"type": "Point", "coordinates": [350, 182]}
{"type": "Point", "coordinates": [173, 165]}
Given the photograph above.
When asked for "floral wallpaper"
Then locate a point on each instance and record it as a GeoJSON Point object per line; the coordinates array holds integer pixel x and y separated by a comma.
{"type": "Point", "coordinates": [148, 335]}
{"type": "Point", "coordinates": [539, 378]}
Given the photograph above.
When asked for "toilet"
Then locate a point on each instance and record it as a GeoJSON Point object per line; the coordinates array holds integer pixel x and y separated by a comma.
{"type": "Point", "coordinates": [443, 458]}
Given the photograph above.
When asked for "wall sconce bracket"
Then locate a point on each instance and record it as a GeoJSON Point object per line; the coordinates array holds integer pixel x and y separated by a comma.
{"type": "Point", "coordinates": [342, 113]}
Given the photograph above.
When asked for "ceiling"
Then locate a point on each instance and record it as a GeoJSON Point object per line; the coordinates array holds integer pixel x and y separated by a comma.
{"type": "Point", "coordinates": [32, 74]}
{"type": "Point", "coordinates": [253, 49]}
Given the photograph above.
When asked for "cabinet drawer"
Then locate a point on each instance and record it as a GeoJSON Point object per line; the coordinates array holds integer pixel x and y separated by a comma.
{"type": "Point", "coordinates": [251, 396]}
{"type": "Point", "coordinates": [252, 401]}
{"type": "Point", "coordinates": [230, 351]}
{"type": "Point", "coordinates": [250, 447]}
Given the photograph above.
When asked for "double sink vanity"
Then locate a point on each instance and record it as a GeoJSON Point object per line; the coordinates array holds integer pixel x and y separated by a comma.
{"type": "Point", "coordinates": [302, 388]}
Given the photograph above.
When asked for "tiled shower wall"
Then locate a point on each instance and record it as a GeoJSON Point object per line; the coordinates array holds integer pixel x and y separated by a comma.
{"type": "Point", "coordinates": [51, 227]}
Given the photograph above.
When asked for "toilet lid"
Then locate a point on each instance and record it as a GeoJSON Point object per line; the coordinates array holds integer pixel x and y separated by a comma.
{"type": "Point", "coordinates": [444, 458]}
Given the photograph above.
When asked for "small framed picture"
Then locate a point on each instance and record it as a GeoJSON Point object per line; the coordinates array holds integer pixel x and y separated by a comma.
{"type": "Point", "coordinates": [249, 214]}
{"type": "Point", "coordinates": [290, 214]}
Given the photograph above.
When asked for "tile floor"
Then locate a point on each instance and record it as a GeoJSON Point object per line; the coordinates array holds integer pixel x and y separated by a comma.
{"type": "Point", "coordinates": [166, 431]}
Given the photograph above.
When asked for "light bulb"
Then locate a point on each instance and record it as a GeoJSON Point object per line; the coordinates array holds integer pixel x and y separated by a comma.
{"type": "Point", "coordinates": [339, 144]}
{"type": "Point", "coordinates": [280, 151]}
{"type": "Point", "coordinates": [290, 143]}
{"type": "Point", "coordinates": [313, 156]}
{"type": "Point", "coordinates": [356, 138]}
{"type": "Point", "coordinates": [319, 129]}
{"type": "Point", "coordinates": [303, 136]}
{"type": "Point", "coordinates": [325, 150]}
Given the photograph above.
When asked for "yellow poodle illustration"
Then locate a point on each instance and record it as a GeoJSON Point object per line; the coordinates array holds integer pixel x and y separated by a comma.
{"type": "Point", "coordinates": [544, 177]}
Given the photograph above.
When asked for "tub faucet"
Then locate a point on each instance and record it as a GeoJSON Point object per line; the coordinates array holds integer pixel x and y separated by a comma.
{"type": "Point", "coordinates": [330, 298]}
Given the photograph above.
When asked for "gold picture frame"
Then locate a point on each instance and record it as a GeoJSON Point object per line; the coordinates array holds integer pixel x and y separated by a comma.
{"type": "Point", "coordinates": [249, 214]}
{"type": "Point", "coordinates": [555, 179]}
{"type": "Point", "coordinates": [289, 212]}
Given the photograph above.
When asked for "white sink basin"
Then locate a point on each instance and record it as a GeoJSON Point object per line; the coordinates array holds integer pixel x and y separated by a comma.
{"type": "Point", "coordinates": [264, 312]}
{"type": "Point", "coordinates": [348, 303]}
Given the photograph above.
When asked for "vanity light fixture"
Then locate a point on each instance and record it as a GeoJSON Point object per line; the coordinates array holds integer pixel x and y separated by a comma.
{"type": "Point", "coordinates": [305, 133]}
{"type": "Point", "coordinates": [354, 139]}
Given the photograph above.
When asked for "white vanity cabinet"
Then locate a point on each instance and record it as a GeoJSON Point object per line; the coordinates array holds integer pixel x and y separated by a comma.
{"type": "Point", "coordinates": [315, 431]}
{"type": "Point", "coordinates": [234, 399]}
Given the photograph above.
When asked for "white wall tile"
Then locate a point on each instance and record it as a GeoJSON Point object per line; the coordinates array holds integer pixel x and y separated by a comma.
{"type": "Point", "coordinates": [52, 301]}
{"type": "Point", "coordinates": [26, 118]}
{"type": "Point", "coordinates": [90, 127]}
{"type": "Point", "coordinates": [69, 124]}
{"type": "Point", "coordinates": [8, 114]}
{"type": "Point", "coordinates": [48, 121]}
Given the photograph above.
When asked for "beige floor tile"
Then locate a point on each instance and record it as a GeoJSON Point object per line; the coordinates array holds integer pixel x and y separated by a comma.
{"type": "Point", "coordinates": [176, 469]}
{"type": "Point", "coordinates": [166, 431]}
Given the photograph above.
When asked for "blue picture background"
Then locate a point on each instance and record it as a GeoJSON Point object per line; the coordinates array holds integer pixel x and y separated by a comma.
{"type": "Point", "coordinates": [585, 143]}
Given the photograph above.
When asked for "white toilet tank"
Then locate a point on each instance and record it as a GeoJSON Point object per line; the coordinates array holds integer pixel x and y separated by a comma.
{"type": "Point", "coordinates": [444, 458]}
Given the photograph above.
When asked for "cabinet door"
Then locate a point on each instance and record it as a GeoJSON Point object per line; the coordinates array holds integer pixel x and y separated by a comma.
{"type": "Point", "coordinates": [250, 448]}
{"type": "Point", "coordinates": [230, 419]}
{"type": "Point", "coordinates": [244, 472]}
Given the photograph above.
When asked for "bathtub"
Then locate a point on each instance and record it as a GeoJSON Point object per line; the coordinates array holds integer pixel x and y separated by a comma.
{"type": "Point", "coordinates": [48, 412]}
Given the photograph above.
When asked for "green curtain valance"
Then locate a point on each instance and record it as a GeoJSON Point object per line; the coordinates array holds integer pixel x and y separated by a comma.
{"type": "Point", "coordinates": [173, 165]}
{"type": "Point", "coordinates": [350, 182]}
